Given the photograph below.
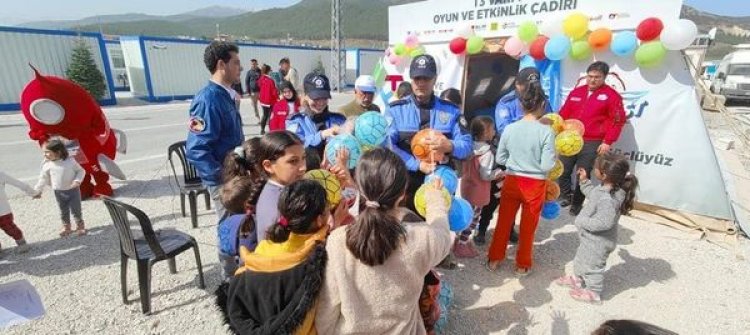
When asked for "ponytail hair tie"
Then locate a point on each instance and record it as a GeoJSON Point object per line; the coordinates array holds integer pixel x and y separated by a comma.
{"type": "Point", "coordinates": [283, 221]}
{"type": "Point", "coordinates": [372, 204]}
{"type": "Point", "coordinates": [239, 151]}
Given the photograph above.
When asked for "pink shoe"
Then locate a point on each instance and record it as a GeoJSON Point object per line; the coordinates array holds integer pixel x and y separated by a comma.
{"type": "Point", "coordinates": [582, 294]}
{"type": "Point", "coordinates": [569, 281]}
{"type": "Point", "coordinates": [465, 249]}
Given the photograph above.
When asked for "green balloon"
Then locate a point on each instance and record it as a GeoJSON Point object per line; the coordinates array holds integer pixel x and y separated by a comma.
{"type": "Point", "coordinates": [417, 52]}
{"type": "Point", "coordinates": [650, 54]}
{"type": "Point", "coordinates": [528, 31]}
{"type": "Point", "coordinates": [399, 49]}
{"type": "Point", "coordinates": [580, 50]}
{"type": "Point", "coordinates": [474, 45]}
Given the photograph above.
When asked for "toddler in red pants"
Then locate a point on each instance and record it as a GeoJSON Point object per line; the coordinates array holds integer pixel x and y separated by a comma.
{"type": "Point", "coordinates": [6, 216]}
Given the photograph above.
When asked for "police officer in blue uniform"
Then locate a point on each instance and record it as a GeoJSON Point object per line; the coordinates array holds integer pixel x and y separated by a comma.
{"type": "Point", "coordinates": [507, 111]}
{"type": "Point", "coordinates": [423, 110]}
{"type": "Point", "coordinates": [316, 124]}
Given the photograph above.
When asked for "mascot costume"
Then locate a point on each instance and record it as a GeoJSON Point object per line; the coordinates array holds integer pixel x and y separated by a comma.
{"type": "Point", "coordinates": [56, 108]}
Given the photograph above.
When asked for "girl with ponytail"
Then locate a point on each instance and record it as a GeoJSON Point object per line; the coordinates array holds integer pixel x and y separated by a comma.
{"type": "Point", "coordinates": [276, 290]}
{"type": "Point", "coordinates": [597, 224]}
{"type": "Point", "coordinates": [377, 266]}
{"type": "Point", "coordinates": [527, 149]}
{"type": "Point", "coordinates": [242, 161]}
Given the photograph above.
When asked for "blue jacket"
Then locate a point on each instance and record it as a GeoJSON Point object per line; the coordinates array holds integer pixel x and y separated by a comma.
{"type": "Point", "coordinates": [303, 125]}
{"type": "Point", "coordinates": [509, 110]}
{"type": "Point", "coordinates": [215, 129]}
{"type": "Point", "coordinates": [445, 117]}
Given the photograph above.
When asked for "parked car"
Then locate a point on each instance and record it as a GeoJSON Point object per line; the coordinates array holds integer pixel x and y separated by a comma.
{"type": "Point", "coordinates": [732, 79]}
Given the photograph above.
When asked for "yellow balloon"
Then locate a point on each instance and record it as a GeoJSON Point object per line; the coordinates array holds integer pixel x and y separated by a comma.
{"type": "Point", "coordinates": [556, 171]}
{"type": "Point", "coordinates": [329, 182]}
{"type": "Point", "coordinates": [420, 204]}
{"type": "Point", "coordinates": [557, 122]}
{"type": "Point", "coordinates": [569, 143]}
{"type": "Point", "coordinates": [576, 25]}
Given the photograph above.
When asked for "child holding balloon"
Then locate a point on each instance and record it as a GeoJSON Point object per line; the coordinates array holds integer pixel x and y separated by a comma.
{"type": "Point", "coordinates": [597, 224]}
{"type": "Point", "coordinates": [478, 172]}
{"type": "Point", "coordinates": [527, 149]}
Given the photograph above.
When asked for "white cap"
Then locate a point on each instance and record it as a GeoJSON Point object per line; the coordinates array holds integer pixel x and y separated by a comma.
{"type": "Point", "coordinates": [365, 83]}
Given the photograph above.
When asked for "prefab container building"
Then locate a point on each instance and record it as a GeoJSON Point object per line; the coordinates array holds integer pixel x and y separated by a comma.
{"type": "Point", "coordinates": [49, 51]}
{"type": "Point", "coordinates": [117, 65]}
{"type": "Point", "coordinates": [163, 69]}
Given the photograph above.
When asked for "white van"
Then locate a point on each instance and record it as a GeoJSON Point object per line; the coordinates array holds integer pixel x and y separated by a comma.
{"type": "Point", "coordinates": [732, 78]}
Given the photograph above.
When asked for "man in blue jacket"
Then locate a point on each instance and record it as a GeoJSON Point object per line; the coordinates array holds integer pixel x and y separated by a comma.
{"type": "Point", "coordinates": [507, 111]}
{"type": "Point", "coordinates": [423, 110]}
{"type": "Point", "coordinates": [215, 124]}
{"type": "Point", "coordinates": [316, 124]}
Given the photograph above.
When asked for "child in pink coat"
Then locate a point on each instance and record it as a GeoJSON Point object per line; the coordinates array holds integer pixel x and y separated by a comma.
{"type": "Point", "coordinates": [478, 172]}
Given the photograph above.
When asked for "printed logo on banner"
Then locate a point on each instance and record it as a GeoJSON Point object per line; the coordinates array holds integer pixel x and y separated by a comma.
{"type": "Point", "coordinates": [635, 102]}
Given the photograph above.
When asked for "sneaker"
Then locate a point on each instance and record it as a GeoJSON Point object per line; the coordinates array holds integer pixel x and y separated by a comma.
{"type": "Point", "coordinates": [66, 230]}
{"type": "Point", "coordinates": [564, 201]}
{"type": "Point", "coordinates": [465, 250]}
{"type": "Point", "coordinates": [575, 210]}
{"type": "Point", "coordinates": [23, 247]}
{"type": "Point", "coordinates": [81, 229]}
{"type": "Point", "coordinates": [479, 239]}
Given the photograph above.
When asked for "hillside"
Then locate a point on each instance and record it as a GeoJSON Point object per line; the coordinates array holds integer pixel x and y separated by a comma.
{"type": "Point", "coordinates": [92, 23]}
{"type": "Point", "coordinates": [309, 20]}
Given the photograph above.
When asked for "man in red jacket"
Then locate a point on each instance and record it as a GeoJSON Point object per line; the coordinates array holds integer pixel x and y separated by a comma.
{"type": "Point", "coordinates": [600, 108]}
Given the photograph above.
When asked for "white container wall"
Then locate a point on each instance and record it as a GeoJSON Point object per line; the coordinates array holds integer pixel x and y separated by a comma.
{"type": "Point", "coordinates": [134, 68]}
{"type": "Point", "coordinates": [174, 69]}
{"type": "Point", "coordinates": [360, 62]}
{"type": "Point", "coordinates": [117, 65]}
{"type": "Point", "coordinates": [49, 51]}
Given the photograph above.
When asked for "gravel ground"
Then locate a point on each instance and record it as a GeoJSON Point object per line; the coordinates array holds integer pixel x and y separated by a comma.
{"type": "Point", "coordinates": [657, 274]}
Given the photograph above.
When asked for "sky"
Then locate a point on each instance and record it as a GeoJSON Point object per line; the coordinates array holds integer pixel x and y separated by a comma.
{"type": "Point", "coordinates": [19, 11]}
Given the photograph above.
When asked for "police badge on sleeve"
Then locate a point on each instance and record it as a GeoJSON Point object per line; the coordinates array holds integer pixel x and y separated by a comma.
{"type": "Point", "coordinates": [444, 117]}
{"type": "Point", "coordinates": [197, 124]}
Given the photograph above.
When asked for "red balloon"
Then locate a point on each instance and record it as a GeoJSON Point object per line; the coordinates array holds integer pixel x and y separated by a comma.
{"type": "Point", "coordinates": [458, 45]}
{"type": "Point", "coordinates": [536, 49]}
{"type": "Point", "coordinates": [649, 29]}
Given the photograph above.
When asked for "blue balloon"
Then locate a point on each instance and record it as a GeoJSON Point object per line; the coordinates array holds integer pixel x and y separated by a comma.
{"type": "Point", "coordinates": [460, 215]}
{"type": "Point", "coordinates": [557, 47]}
{"type": "Point", "coordinates": [371, 128]}
{"type": "Point", "coordinates": [348, 142]}
{"type": "Point", "coordinates": [449, 177]}
{"type": "Point", "coordinates": [551, 210]}
{"type": "Point", "coordinates": [624, 43]}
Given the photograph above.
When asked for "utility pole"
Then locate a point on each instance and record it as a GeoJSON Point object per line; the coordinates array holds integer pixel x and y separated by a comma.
{"type": "Point", "coordinates": [337, 58]}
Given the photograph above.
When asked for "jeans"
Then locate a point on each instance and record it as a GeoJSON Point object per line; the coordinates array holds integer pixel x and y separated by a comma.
{"type": "Point", "coordinates": [584, 159]}
{"type": "Point", "coordinates": [69, 201]}
{"type": "Point", "coordinates": [264, 120]}
{"type": "Point", "coordinates": [215, 192]}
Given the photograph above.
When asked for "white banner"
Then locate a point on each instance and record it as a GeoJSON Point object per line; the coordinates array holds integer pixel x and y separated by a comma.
{"type": "Point", "coordinates": [665, 139]}
{"type": "Point", "coordinates": [441, 20]}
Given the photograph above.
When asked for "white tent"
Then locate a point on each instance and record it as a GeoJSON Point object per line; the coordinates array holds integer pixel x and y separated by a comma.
{"type": "Point", "coordinates": [665, 139]}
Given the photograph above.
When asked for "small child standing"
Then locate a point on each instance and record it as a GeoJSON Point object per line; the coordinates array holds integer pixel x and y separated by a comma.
{"type": "Point", "coordinates": [6, 216]}
{"type": "Point", "coordinates": [64, 175]}
{"type": "Point", "coordinates": [238, 196]}
{"type": "Point", "coordinates": [597, 224]}
{"type": "Point", "coordinates": [478, 172]}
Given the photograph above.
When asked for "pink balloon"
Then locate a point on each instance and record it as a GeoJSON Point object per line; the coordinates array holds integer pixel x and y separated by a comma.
{"type": "Point", "coordinates": [514, 47]}
{"type": "Point", "coordinates": [388, 52]}
{"type": "Point", "coordinates": [412, 41]}
{"type": "Point", "coordinates": [394, 59]}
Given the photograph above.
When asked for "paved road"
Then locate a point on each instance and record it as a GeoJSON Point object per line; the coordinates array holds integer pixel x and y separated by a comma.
{"type": "Point", "coordinates": [150, 130]}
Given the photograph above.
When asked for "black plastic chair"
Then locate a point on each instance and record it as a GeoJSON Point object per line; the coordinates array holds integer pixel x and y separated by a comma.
{"type": "Point", "coordinates": [147, 248]}
{"type": "Point", "coordinates": [190, 185]}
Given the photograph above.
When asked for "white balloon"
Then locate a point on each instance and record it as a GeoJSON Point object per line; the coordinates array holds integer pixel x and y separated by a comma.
{"type": "Point", "coordinates": [679, 34]}
{"type": "Point", "coordinates": [552, 26]}
{"type": "Point", "coordinates": [466, 32]}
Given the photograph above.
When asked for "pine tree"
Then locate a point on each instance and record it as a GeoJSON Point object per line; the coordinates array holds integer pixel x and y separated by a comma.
{"type": "Point", "coordinates": [83, 70]}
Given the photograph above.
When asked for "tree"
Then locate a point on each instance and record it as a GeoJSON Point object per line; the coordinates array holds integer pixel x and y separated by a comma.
{"type": "Point", "coordinates": [83, 70]}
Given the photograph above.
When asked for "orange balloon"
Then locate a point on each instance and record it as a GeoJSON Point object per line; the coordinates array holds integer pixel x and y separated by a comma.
{"type": "Point", "coordinates": [419, 147]}
{"type": "Point", "coordinates": [575, 125]}
{"type": "Point", "coordinates": [600, 39]}
{"type": "Point", "coordinates": [553, 191]}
